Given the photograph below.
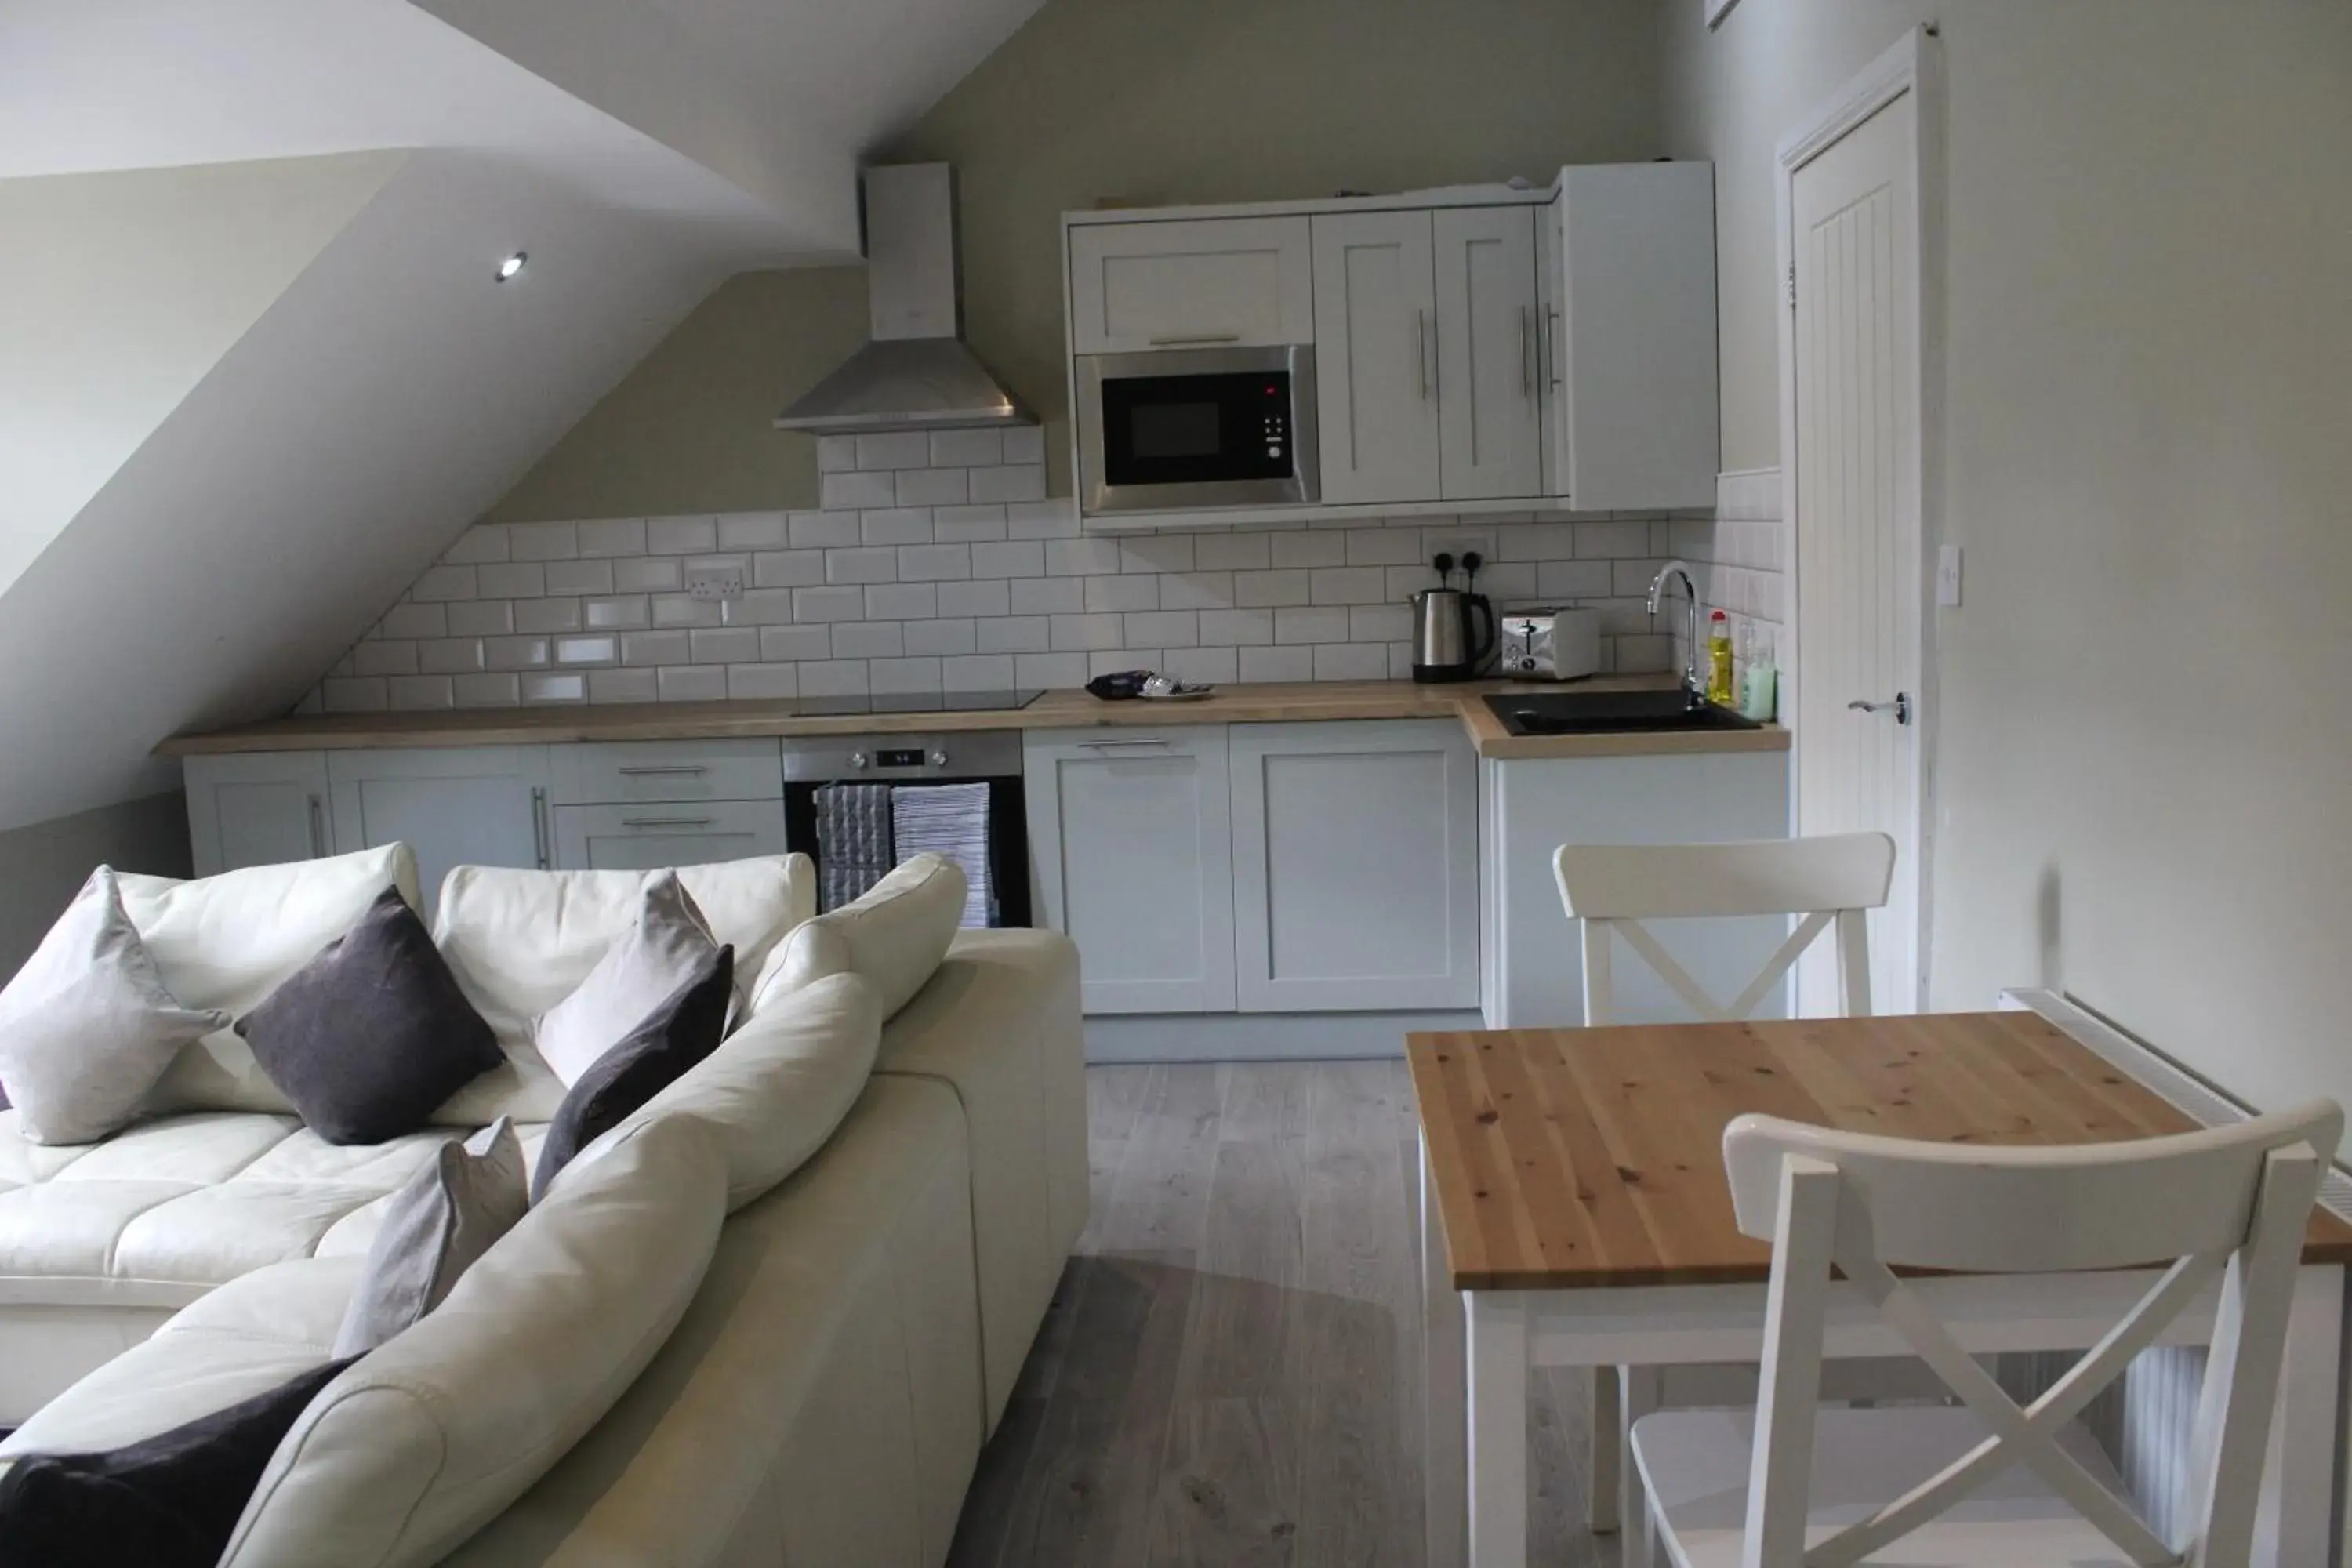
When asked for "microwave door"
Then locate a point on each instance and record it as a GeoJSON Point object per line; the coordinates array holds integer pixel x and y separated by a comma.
{"type": "Point", "coordinates": [1184, 430]}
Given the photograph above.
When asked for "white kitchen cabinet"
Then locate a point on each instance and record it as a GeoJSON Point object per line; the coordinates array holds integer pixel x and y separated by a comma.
{"type": "Point", "coordinates": [256, 808]}
{"type": "Point", "coordinates": [477, 805]}
{"type": "Point", "coordinates": [1376, 371]}
{"type": "Point", "coordinates": [1191, 283]}
{"type": "Point", "coordinates": [1131, 831]}
{"type": "Point", "coordinates": [1629, 343]}
{"type": "Point", "coordinates": [1355, 865]}
{"type": "Point", "coordinates": [622, 773]}
{"type": "Point", "coordinates": [647, 837]}
{"type": "Point", "coordinates": [1490, 426]}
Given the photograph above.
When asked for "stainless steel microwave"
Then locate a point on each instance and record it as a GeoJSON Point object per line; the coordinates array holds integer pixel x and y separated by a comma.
{"type": "Point", "coordinates": [1180, 429]}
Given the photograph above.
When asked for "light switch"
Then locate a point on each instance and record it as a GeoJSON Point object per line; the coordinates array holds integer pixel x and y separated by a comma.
{"type": "Point", "coordinates": [1948, 577]}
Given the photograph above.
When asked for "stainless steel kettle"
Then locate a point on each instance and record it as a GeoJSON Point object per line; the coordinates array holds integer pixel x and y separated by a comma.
{"type": "Point", "coordinates": [1452, 634]}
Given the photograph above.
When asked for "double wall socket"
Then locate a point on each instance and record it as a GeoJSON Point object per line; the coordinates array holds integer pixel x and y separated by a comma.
{"type": "Point", "coordinates": [714, 582]}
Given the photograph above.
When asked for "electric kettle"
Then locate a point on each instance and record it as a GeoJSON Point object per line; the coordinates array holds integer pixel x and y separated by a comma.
{"type": "Point", "coordinates": [1452, 628]}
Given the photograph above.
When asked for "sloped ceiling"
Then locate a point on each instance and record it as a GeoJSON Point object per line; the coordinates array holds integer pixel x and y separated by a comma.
{"type": "Point", "coordinates": [372, 402]}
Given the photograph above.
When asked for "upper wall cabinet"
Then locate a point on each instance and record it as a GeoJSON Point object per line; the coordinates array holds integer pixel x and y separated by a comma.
{"type": "Point", "coordinates": [1199, 283]}
{"type": "Point", "coordinates": [1475, 349]}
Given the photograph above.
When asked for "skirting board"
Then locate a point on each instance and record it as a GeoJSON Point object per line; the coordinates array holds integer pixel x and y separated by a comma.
{"type": "Point", "coordinates": [1261, 1036]}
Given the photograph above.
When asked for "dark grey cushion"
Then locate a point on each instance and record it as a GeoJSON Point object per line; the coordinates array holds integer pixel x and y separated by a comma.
{"type": "Point", "coordinates": [170, 1501]}
{"type": "Point", "coordinates": [369, 1038]}
{"type": "Point", "coordinates": [443, 1219]}
{"type": "Point", "coordinates": [685, 1027]}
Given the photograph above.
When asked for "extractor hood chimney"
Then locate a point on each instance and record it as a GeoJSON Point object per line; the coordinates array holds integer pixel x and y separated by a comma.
{"type": "Point", "coordinates": [916, 374]}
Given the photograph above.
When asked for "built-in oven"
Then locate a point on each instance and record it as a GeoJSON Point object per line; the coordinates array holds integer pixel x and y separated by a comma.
{"type": "Point", "coordinates": [1181, 429]}
{"type": "Point", "coordinates": [859, 805]}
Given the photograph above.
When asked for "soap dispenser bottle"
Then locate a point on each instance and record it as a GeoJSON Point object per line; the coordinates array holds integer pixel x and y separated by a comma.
{"type": "Point", "coordinates": [1718, 660]}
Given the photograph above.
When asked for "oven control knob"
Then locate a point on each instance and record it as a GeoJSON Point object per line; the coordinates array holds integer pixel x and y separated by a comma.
{"type": "Point", "coordinates": [939, 759]}
{"type": "Point", "coordinates": [857, 759]}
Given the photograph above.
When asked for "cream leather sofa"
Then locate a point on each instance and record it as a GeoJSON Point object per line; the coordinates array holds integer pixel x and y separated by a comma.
{"type": "Point", "coordinates": [676, 1359]}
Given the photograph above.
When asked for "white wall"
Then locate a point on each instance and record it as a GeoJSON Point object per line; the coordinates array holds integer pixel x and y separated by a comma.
{"type": "Point", "coordinates": [2150, 451]}
{"type": "Point", "coordinates": [118, 293]}
{"type": "Point", "coordinates": [387, 397]}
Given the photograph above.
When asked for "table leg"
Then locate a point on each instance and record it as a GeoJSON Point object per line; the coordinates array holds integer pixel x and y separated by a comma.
{"type": "Point", "coordinates": [1639, 1392]}
{"type": "Point", "coordinates": [2294, 1525]}
{"type": "Point", "coordinates": [1444, 1475]}
{"type": "Point", "coordinates": [1608, 1451]}
{"type": "Point", "coordinates": [1498, 1431]}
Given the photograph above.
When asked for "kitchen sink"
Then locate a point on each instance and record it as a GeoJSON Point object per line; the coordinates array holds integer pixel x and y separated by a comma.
{"type": "Point", "coordinates": [1610, 714]}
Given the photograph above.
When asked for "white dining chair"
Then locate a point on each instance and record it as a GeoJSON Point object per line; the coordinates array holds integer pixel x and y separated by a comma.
{"type": "Point", "coordinates": [1989, 1483]}
{"type": "Point", "coordinates": [1611, 888]}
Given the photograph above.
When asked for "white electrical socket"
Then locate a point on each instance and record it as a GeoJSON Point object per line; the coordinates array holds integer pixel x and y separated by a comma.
{"type": "Point", "coordinates": [1948, 577]}
{"type": "Point", "coordinates": [714, 582]}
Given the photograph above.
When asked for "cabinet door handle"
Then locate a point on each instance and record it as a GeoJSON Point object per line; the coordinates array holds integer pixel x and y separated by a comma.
{"type": "Point", "coordinates": [1192, 339]}
{"type": "Point", "coordinates": [1120, 745]}
{"type": "Point", "coordinates": [642, 822]}
{"type": "Point", "coordinates": [1421, 351]}
{"type": "Point", "coordinates": [538, 834]}
{"type": "Point", "coordinates": [318, 827]}
{"type": "Point", "coordinates": [1527, 352]}
{"type": "Point", "coordinates": [1554, 350]}
{"type": "Point", "coordinates": [667, 769]}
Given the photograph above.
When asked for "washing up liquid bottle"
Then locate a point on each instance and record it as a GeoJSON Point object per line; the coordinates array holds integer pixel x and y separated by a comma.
{"type": "Point", "coordinates": [1719, 659]}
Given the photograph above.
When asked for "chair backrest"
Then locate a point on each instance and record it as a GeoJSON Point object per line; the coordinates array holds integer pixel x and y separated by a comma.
{"type": "Point", "coordinates": [2228, 1203]}
{"type": "Point", "coordinates": [1617, 886]}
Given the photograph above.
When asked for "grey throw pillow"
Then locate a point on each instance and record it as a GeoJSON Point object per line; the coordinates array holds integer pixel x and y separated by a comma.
{"type": "Point", "coordinates": [368, 1038]}
{"type": "Point", "coordinates": [668, 941]}
{"type": "Point", "coordinates": [448, 1215]}
{"type": "Point", "coordinates": [87, 1026]}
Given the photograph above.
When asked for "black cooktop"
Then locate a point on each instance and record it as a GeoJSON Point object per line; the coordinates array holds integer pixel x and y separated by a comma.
{"type": "Point", "coordinates": [915, 702]}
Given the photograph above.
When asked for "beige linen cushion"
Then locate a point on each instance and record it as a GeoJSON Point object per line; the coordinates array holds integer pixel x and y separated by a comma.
{"type": "Point", "coordinates": [431, 1436]}
{"type": "Point", "coordinates": [895, 936]}
{"type": "Point", "coordinates": [227, 942]}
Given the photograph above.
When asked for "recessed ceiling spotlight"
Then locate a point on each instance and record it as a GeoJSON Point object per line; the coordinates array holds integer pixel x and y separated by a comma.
{"type": "Point", "coordinates": [511, 268]}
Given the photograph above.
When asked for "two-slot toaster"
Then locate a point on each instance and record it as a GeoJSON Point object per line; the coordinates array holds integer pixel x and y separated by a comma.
{"type": "Point", "coordinates": [1547, 644]}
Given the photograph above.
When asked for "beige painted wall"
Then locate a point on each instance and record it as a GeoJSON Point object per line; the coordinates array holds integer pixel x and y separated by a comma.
{"type": "Point", "coordinates": [2150, 452]}
{"type": "Point", "coordinates": [42, 864]}
{"type": "Point", "coordinates": [1138, 101]}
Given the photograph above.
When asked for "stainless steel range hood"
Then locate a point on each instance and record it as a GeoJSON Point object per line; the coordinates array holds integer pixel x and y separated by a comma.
{"type": "Point", "coordinates": [916, 374]}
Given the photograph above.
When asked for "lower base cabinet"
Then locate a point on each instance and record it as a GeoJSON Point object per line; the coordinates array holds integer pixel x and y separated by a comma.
{"type": "Point", "coordinates": [259, 808]}
{"type": "Point", "coordinates": [1326, 867]}
{"type": "Point", "coordinates": [481, 806]}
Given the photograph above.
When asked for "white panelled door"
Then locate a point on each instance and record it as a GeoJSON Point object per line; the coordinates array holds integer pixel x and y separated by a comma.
{"type": "Point", "coordinates": [1855, 232]}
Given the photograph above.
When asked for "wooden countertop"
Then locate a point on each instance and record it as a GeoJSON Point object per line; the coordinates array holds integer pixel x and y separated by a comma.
{"type": "Point", "coordinates": [1568, 1158]}
{"type": "Point", "coordinates": [1295, 703]}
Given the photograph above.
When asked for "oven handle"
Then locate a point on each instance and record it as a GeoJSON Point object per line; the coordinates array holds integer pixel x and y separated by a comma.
{"type": "Point", "coordinates": [1194, 339]}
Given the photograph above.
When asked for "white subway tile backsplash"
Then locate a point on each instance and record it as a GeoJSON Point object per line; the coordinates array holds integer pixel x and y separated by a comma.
{"type": "Point", "coordinates": [1138, 593]}
{"type": "Point", "coordinates": [966, 449]}
{"type": "Point", "coordinates": [693, 683]}
{"type": "Point", "coordinates": [938, 561]}
{"type": "Point", "coordinates": [975, 598]}
{"type": "Point", "coordinates": [542, 540]}
{"type": "Point", "coordinates": [613, 537]}
{"type": "Point", "coordinates": [894, 449]}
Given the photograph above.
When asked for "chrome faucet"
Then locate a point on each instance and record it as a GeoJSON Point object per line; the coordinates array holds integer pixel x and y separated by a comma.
{"type": "Point", "coordinates": [1693, 687]}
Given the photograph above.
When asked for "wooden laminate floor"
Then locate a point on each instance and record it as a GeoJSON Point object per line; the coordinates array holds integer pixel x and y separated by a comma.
{"type": "Point", "coordinates": [1230, 1372]}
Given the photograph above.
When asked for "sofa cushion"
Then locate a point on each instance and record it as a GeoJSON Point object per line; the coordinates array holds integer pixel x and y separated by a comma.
{"type": "Point", "coordinates": [165, 1502]}
{"type": "Point", "coordinates": [435, 1228]}
{"type": "Point", "coordinates": [642, 968]}
{"type": "Point", "coordinates": [773, 1093]}
{"type": "Point", "coordinates": [895, 935]}
{"type": "Point", "coordinates": [431, 1436]}
{"type": "Point", "coordinates": [87, 1026]}
{"type": "Point", "coordinates": [227, 942]}
{"type": "Point", "coordinates": [668, 1043]}
{"type": "Point", "coordinates": [372, 1034]}
{"type": "Point", "coordinates": [520, 941]}
{"type": "Point", "coordinates": [168, 1209]}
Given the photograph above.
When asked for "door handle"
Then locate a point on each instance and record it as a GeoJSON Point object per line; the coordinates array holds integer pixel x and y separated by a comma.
{"type": "Point", "coordinates": [642, 822]}
{"type": "Point", "coordinates": [667, 769]}
{"type": "Point", "coordinates": [1421, 351]}
{"type": "Point", "coordinates": [1117, 745]}
{"type": "Point", "coordinates": [1900, 707]}
{"type": "Point", "coordinates": [538, 834]}
{"type": "Point", "coordinates": [318, 829]}
{"type": "Point", "coordinates": [1553, 350]}
{"type": "Point", "coordinates": [1190, 339]}
{"type": "Point", "coordinates": [1527, 352]}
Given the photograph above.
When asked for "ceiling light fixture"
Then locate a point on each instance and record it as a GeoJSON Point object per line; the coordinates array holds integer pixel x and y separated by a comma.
{"type": "Point", "coordinates": [511, 268]}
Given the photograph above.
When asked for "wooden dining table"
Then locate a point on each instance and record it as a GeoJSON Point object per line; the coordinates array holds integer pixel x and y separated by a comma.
{"type": "Point", "coordinates": [1574, 1213]}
